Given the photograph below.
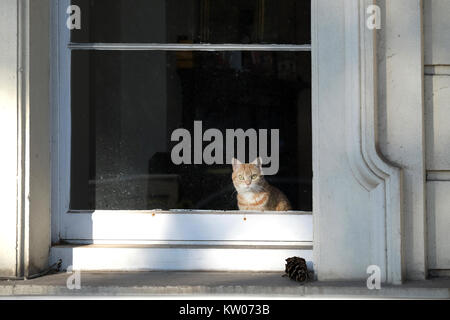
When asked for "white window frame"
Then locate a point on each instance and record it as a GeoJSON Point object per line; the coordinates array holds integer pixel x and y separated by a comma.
{"type": "Point", "coordinates": [290, 232]}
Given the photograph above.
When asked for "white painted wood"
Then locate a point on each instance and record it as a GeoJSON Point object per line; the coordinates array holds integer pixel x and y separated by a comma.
{"type": "Point", "coordinates": [401, 128]}
{"type": "Point", "coordinates": [151, 227]}
{"type": "Point", "coordinates": [360, 98]}
{"type": "Point", "coordinates": [438, 202]}
{"type": "Point", "coordinates": [437, 70]}
{"type": "Point", "coordinates": [8, 136]}
{"type": "Point", "coordinates": [188, 227]}
{"type": "Point", "coordinates": [201, 243]}
{"type": "Point", "coordinates": [333, 178]}
{"type": "Point", "coordinates": [390, 245]}
{"type": "Point", "coordinates": [23, 142]}
{"type": "Point", "coordinates": [24, 114]}
{"type": "Point", "coordinates": [438, 175]}
{"type": "Point", "coordinates": [359, 202]}
{"type": "Point", "coordinates": [437, 97]}
{"type": "Point", "coordinates": [37, 194]}
{"type": "Point", "coordinates": [104, 258]}
{"type": "Point", "coordinates": [190, 47]}
{"type": "Point", "coordinates": [436, 32]}
{"type": "Point", "coordinates": [437, 103]}
{"type": "Point", "coordinates": [61, 118]}
{"type": "Point", "coordinates": [315, 128]}
{"type": "Point", "coordinates": [54, 104]}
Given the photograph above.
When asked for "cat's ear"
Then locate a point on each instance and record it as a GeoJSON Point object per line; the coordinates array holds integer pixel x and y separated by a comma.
{"type": "Point", "coordinates": [258, 162]}
{"type": "Point", "coordinates": [236, 163]}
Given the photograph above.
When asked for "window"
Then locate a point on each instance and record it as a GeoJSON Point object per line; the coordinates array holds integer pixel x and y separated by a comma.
{"type": "Point", "coordinates": [136, 72]}
{"type": "Point", "coordinates": [126, 103]}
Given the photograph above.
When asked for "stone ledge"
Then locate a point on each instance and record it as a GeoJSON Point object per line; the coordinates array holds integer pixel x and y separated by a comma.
{"type": "Point", "coordinates": [152, 284]}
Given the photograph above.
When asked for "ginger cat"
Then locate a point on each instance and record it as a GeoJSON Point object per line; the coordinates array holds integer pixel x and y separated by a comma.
{"type": "Point", "coordinates": [254, 192]}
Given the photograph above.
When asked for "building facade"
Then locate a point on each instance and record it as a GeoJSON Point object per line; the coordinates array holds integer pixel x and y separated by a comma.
{"type": "Point", "coordinates": [380, 99]}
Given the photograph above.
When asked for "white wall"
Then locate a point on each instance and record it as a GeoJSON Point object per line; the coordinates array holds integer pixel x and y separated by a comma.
{"type": "Point", "coordinates": [37, 204]}
{"type": "Point", "coordinates": [357, 195]}
{"type": "Point", "coordinates": [341, 206]}
{"type": "Point", "coordinates": [437, 102]}
{"type": "Point", "coordinates": [401, 118]}
{"type": "Point", "coordinates": [24, 137]}
{"type": "Point", "coordinates": [8, 136]}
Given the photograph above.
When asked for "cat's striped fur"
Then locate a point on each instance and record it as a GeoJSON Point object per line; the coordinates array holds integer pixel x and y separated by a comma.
{"type": "Point", "coordinates": [254, 192]}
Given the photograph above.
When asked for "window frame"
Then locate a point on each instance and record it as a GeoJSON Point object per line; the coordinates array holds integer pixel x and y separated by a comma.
{"type": "Point", "coordinates": [200, 227]}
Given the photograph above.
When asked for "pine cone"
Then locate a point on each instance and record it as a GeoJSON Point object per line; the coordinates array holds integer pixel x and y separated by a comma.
{"type": "Point", "coordinates": [296, 269]}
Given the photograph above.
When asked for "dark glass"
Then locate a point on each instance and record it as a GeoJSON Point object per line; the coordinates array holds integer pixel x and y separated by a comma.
{"type": "Point", "coordinates": [194, 21]}
{"type": "Point", "coordinates": [125, 106]}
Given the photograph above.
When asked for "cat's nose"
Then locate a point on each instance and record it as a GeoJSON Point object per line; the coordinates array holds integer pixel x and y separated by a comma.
{"type": "Point", "coordinates": [248, 182]}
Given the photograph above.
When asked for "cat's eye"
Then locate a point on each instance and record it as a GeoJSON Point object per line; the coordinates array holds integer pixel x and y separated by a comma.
{"type": "Point", "coordinates": [254, 176]}
{"type": "Point", "coordinates": [241, 177]}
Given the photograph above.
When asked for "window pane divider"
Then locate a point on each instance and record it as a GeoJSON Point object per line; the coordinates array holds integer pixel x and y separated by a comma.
{"type": "Point", "coordinates": [188, 47]}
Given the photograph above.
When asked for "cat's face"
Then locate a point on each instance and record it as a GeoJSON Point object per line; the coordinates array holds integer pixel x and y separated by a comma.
{"type": "Point", "coordinates": [247, 177]}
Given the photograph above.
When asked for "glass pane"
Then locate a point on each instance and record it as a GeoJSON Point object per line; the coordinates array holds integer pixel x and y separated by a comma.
{"type": "Point", "coordinates": [194, 21]}
{"type": "Point", "coordinates": [126, 105]}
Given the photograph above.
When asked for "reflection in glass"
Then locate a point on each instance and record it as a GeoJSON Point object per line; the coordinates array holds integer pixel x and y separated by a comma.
{"type": "Point", "coordinates": [125, 105]}
{"type": "Point", "coordinates": [194, 21]}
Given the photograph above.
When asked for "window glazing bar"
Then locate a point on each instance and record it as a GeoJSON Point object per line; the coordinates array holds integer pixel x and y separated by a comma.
{"type": "Point", "coordinates": [188, 47]}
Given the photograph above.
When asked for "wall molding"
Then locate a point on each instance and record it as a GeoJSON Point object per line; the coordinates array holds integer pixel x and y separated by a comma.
{"type": "Point", "coordinates": [33, 143]}
{"type": "Point", "coordinates": [437, 70]}
{"type": "Point", "coordinates": [369, 168]}
{"type": "Point", "coordinates": [23, 160]}
{"type": "Point", "coordinates": [438, 175]}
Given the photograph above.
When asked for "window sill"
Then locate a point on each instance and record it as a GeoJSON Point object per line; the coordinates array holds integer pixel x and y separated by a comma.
{"type": "Point", "coordinates": [217, 284]}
